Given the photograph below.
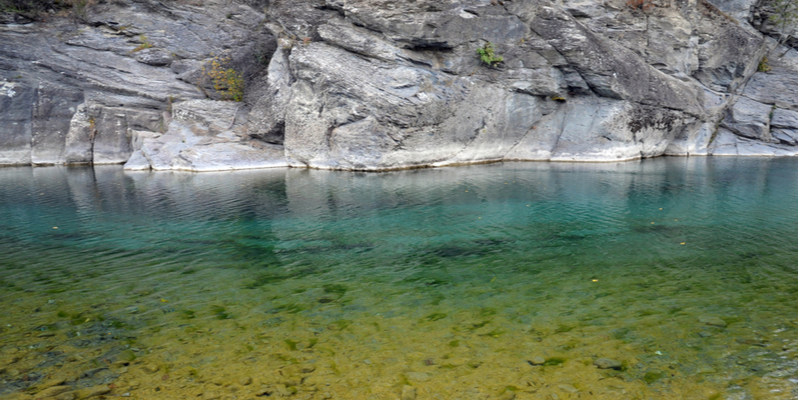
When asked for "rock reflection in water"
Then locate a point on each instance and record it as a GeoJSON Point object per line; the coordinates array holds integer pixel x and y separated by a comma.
{"type": "Point", "coordinates": [667, 278]}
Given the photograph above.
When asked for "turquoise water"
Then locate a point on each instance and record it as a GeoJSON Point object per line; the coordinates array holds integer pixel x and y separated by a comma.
{"type": "Point", "coordinates": [445, 283]}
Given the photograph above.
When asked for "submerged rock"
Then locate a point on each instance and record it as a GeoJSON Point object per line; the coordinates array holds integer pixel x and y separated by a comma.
{"type": "Point", "coordinates": [712, 320]}
{"type": "Point", "coordinates": [537, 361]}
{"type": "Point", "coordinates": [606, 363]}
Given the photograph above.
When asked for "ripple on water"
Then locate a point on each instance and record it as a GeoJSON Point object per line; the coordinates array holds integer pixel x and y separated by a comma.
{"type": "Point", "coordinates": [496, 281]}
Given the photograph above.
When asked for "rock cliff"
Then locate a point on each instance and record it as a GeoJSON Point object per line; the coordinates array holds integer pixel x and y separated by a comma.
{"type": "Point", "coordinates": [379, 84]}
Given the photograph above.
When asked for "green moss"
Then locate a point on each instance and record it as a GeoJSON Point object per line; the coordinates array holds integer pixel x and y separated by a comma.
{"type": "Point", "coordinates": [285, 358]}
{"type": "Point", "coordinates": [435, 317]}
{"type": "Point", "coordinates": [339, 325]}
{"type": "Point", "coordinates": [495, 333]}
{"type": "Point", "coordinates": [326, 351]}
{"type": "Point", "coordinates": [486, 312]}
{"type": "Point", "coordinates": [291, 308]}
{"type": "Point", "coordinates": [480, 325]}
{"type": "Point", "coordinates": [118, 325]}
{"type": "Point", "coordinates": [564, 328]}
{"type": "Point", "coordinates": [291, 344]}
{"type": "Point", "coordinates": [220, 313]}
{"type": "Point", "coordinates": [652, 375]}
{"type": "Point", "coordinates": [554, 361]}
{"type": "Point", "coordinates": [127, 355]}
{"type": "Point", "coordinates": [569, 345]}
{"type": "Point", "coordinates": [264, 279]}
{"type": "Point", "coordinates": [620, 333]}
{"type": "Point", "coordinates": [335, 289]}
{"type": "Point", "coordinates": [454, 343]}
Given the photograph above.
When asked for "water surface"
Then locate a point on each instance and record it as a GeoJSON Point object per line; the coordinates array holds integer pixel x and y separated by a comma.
{"type": "Point", "coordinates": [453, 283]}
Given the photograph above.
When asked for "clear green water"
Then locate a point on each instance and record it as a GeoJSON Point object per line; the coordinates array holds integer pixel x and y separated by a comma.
{"type": "Point", "coordinates": [449, 283]}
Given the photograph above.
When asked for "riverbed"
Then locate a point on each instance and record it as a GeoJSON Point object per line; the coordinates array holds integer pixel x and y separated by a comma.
{"type": "Point", "coordinates": [668, 278]}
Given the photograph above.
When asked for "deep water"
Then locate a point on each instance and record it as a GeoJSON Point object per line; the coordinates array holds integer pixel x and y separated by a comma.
{"type": "Point", "coordinates": [451, 281]}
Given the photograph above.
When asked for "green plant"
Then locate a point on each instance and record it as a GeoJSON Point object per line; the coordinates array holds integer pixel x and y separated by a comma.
{"type": "Point", "coordinates": [763, 66]}
{"type": "Point", "coordinates": [145, 44]}
{"type": "Point", "coordinates": [38, 9]}
{"type": "Point", "coordinates": [785, 16]}
{"type": "Point", "coordinates": [227, 81]}
{"type": "Point", "coordinates": [487, 55]}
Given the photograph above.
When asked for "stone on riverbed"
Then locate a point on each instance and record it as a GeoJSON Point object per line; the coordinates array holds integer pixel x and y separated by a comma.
{"type": "Point", "coordinates": [536, 361]}
{"type": "Point", "coordinates": [606, 363]}
{"type": "Point", "coordinates": [409, 393]}
{"type": "Point", "coordinates": [713, 321]}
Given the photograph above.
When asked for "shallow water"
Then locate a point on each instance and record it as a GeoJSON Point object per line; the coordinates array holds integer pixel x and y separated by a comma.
{"type": "Point", "coordinates": [450, 283]}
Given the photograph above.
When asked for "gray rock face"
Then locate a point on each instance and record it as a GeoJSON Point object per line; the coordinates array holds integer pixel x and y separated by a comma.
{"type": "Point", "coordinates": [203, 136]}
{"type": "Point", "coordinates": [15, 122]}
{"type": "Point", "coordinates": [375, 85]}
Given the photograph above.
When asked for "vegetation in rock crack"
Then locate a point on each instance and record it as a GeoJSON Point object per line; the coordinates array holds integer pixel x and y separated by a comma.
{"type": "Point", "coordinates": [785, 16]}
{"type": "Point", "coordinates": [38, 8]}
{"type": "Point", "coordinates": [487, 55]}
{"type": "Point", "coordinates": [763, 66]}
{"type": "Point", "coordinates": [145, 44]}
{"type": "Point", "coordinates": [227, 81]}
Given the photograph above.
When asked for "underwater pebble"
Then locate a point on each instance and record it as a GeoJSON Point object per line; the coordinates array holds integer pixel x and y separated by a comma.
{"type": "Point", "coordinates": [92, 391]}
{"type": "Point", "coordinates": [409, 393]}
{"type": "Point", "coordinates": [47, 384]}
{"type": "Point", "coordinates": [536, 361]}
{"type": "Point", "coordinates": [53, 391]}
{"type": "Point", "coordinates": [150, 368]}
{"type": "Point", "coordinates": [713, 321]}
{"type": "Point", "coordinates": [246, 381]}
{"type": "Point", "coordinates": [568, 388]}
{"type": "Point", "coordinates": [307, 369]}
{"type": "Point", "coordinates": [705, 334]}
{"type": "Point", "coordinates": [606, 363]}
{"type": "Point", "coordinates": [508, 396]}
{"type": "Point", "coordinates": [211, 396]}
{"type": "Point", "coordinates": [66, 396]}
{"type": "Point", "coordinates": [418, 376]}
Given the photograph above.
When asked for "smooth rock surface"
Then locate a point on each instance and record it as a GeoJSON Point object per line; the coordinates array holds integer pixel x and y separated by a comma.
{"type": "Point", "coordinates": [379, 85]}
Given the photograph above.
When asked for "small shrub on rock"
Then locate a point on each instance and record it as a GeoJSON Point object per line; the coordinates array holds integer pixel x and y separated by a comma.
{"type": "Point", "coordinates": [227, 81]}
{"type": "Point", "coordinates": [487, 55]}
